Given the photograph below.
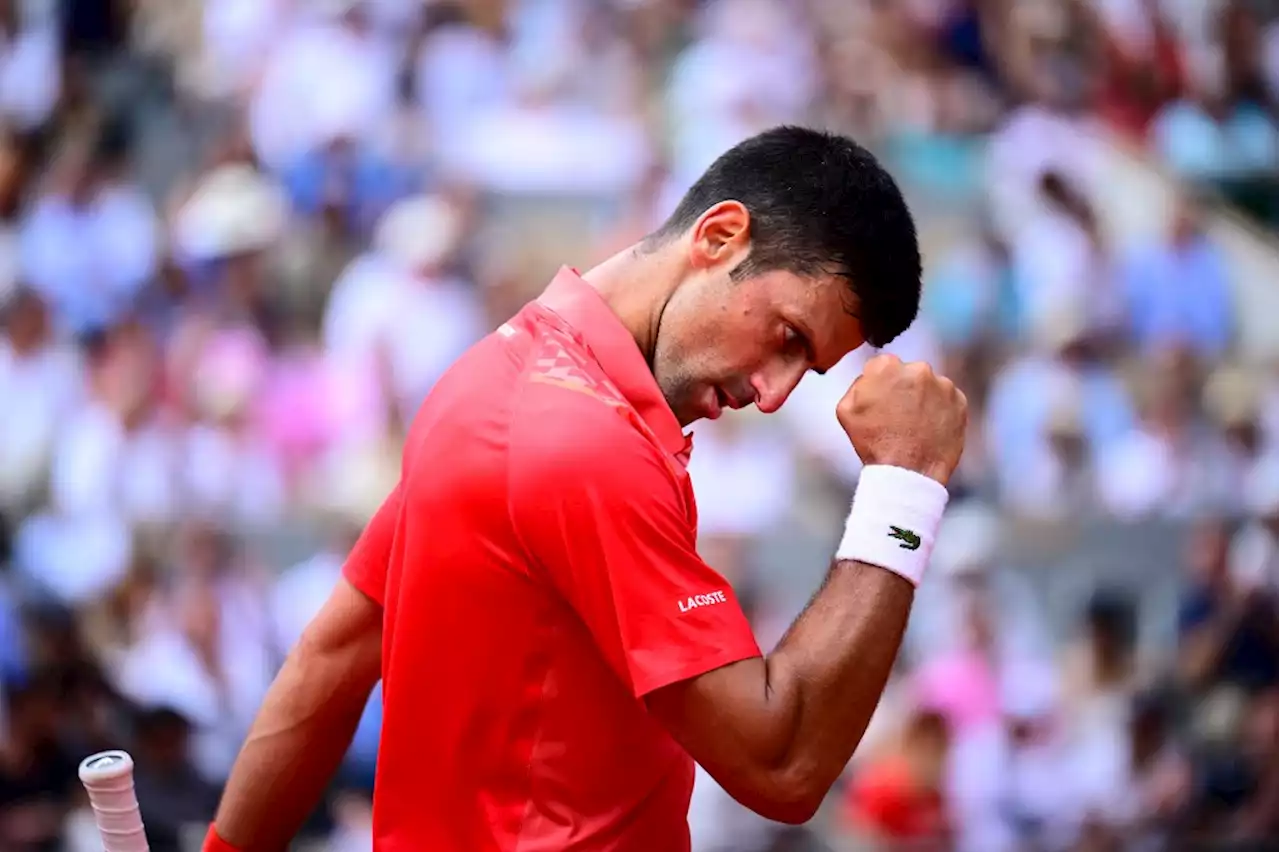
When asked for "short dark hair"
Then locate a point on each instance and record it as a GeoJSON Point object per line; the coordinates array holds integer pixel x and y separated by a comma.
{"type": "Point", "coordinates": [820, 203]}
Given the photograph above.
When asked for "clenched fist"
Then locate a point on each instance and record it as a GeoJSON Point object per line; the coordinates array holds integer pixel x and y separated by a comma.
{"type": "Point", "coordinates": [904, 415]}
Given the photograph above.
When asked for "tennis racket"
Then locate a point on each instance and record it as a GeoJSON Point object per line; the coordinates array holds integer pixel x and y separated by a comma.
{"type": "Point", "coordinates": [108, 779]}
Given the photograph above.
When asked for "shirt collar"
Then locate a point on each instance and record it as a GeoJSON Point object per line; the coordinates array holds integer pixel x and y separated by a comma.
{"type": "Point", "coordinates": [615, 350]}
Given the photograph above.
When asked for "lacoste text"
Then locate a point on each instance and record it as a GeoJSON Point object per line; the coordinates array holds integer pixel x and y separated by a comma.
{"type": "Point", "coordinates": [701, 600]}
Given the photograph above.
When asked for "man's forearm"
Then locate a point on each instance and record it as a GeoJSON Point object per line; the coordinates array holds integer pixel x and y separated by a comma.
{"type": "Point", "coordinates": [776, 732]}
{"type": "Point", "coordinates": [799, 714]}
{"type": "Point", "coordinates": [293, 749]}
{"type": "Point", "coordinates": [825, 678]}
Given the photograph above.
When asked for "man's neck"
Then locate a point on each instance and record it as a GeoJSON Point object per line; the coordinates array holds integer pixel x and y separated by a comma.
{"type": "Point", "coordinates": [636, 284]}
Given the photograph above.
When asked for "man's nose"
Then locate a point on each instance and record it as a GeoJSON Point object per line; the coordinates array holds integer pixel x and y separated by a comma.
{"type": "Point", "coordinates": [772, 387]}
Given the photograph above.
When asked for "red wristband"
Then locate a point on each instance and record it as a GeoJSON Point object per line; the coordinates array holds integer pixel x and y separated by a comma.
{"type": "Point", "coordinates": [213, 842]}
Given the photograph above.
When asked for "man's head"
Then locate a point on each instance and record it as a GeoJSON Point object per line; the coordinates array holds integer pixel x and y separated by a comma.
{"type": "Point", "coordinates": [796, 247]}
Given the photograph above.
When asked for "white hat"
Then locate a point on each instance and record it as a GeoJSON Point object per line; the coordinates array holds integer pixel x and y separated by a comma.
{"type": "Point", "coordinates": [419, 231]}
{"type": "Point", "coordinates": [234, 210]}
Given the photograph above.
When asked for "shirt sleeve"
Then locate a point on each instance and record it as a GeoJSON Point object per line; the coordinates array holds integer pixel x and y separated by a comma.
{"type": "Point", "coordinates": [366, 565]}
{"type": "Point", "coordinates": [605, 518]}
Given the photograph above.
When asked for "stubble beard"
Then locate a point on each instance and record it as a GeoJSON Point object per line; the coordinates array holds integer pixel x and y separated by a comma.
{"type": "Point", "coordinates": [678, 384]}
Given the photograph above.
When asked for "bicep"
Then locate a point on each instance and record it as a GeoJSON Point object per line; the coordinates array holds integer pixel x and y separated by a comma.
{"type": "Point", "coordinates": [727, 720]}
{"type": "Point", "coordinates": [345, 638]}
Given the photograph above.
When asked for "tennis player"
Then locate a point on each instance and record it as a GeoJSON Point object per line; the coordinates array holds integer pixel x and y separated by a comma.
{"type": "Point", "coordinates": [554, 654]}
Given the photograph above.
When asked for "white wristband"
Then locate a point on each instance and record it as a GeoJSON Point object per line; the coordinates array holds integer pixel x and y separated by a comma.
{"type": "Point", "coordinates": [894, 520]}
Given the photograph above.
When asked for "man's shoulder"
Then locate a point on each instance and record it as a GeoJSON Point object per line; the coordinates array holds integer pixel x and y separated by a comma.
{"type": "Point", "coordinates": [567, 418]}
{"type": "Point", "coordinates": [559, 361]}
{"type": "Point", "coordinates": [570, 427]}
{"type": "Point", "coordinates": [563, 388]}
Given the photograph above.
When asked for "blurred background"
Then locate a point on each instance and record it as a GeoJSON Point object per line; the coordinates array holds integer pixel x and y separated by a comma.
{"type": "Point", "coordinates": [240, 239]}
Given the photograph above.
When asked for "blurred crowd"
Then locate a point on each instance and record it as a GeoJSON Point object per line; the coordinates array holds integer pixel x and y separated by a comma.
{"type": "Point", "coordinates": [240, 240]}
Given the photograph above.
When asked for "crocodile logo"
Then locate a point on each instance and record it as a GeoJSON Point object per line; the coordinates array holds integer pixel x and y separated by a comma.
{"type": "Point", "coordinates": [907, 539]}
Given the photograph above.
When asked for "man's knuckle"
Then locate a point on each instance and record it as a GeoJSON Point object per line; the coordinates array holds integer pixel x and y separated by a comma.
{"type": "Point", "coordinates": [885, 361]}
{"type": "Point", "coordinates": [919, 371]}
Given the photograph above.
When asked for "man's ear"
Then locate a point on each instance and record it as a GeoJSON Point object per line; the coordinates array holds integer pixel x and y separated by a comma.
{"type": "Point", "coordinates": [722, 235]}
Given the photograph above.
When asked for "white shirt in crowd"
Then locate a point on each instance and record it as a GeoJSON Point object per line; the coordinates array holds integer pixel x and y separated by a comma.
{"type": "Point", "coordinates": [164, 668]}
{"type": "Point", "coordinates": [422, 325]}
{"type": "Point", "coordinates": [104, 479]}
{"type": "Point", "coordinates": [103, 468]}
{"type": "Point", "coordinates": [324, 81]}
{"type": "Point", "coordinates": [1056, 269]}
{"type": "Point", "coordinates": [299, 593]}
{"type": "Point", "coordinates": [226, 476]}
{"type": "Point", "coordinates": [461, 74]}
{"type": "Point", "coordinates": [997, 787]}
{"type": "Point", "coordinates": [743, 477]}
{"type": "Point", "coordinates": [49, 384]}
{"type": "Point", "coordinates": [88, 261]}
{"type": "Point", "coordinates": [238, 37]}
{"type": "Point", "coordinates": [1033, 140]}
{"type": "Point", "coordinates": [30, 75]}
{"type": "Point", "coordinates": [752, 68]}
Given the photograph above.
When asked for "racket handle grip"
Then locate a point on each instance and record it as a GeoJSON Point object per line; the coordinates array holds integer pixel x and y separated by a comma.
{"type": "Point", "coordinates": [108, 779]}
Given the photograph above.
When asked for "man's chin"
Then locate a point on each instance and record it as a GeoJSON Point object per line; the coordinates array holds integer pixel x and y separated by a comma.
{"type": "Point", "coordinates": [681, 408]}
{"type": "Point", "coordinates": [686, 405]}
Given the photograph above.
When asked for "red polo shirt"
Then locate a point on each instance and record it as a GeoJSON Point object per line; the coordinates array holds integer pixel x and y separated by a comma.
{"type": "Point", "coordinates": [538, 569]}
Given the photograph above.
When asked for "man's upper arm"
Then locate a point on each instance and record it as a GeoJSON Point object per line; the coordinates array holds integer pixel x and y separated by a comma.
{"type": "Point", "coordinates": [366, 565]}
{"type": "Point", "coordinates": [347, 636]}
{"type": "Point", "coordinates": [602, 513]}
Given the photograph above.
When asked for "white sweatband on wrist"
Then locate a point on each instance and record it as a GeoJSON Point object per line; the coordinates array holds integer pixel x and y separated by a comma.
{"type": "Point", "coordinates": [894, 520]}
